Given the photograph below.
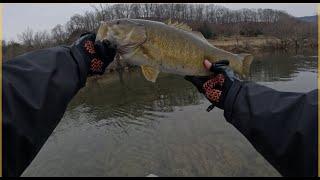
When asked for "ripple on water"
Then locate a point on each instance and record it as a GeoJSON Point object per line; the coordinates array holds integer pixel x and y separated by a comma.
{"type": "Point", "coordinates": [136, 127]}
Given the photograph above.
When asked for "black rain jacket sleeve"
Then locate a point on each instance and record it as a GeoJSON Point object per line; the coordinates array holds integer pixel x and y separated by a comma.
{"type": "Point", "coordinates": [282, 126]}
{"type": "Point", "coordinates": [37, 88]}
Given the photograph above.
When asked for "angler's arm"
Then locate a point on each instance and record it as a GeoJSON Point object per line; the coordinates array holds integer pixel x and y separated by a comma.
{"type": "Point", "coordinates": [37, 88]}
{"type": "Point", "coordinates": [282, 126]}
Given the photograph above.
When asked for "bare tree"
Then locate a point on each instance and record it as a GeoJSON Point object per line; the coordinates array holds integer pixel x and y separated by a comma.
{"type": "Point", "coordinates": [58, 34]}
{"type": "Point", "coordinates": [26, 37]}
{"type": "Point", "coordinates": [217, 19]}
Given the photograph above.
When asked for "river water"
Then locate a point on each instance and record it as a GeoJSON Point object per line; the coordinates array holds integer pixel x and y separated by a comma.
{"type": "Point", "coordinates": [137, 128]}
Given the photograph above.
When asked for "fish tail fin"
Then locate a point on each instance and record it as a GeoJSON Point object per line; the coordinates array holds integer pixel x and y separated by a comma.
{"type": "Point", "coordinates": [246, 63]}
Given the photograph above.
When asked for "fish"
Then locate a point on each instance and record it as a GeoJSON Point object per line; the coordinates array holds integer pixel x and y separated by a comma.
{"type": "Point", "coordinates": [169, 47]}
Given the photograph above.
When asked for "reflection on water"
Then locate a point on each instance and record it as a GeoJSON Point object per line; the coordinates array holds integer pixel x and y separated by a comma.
{"type": "Point", "coordinates": [281, 68]}
{"type": "Point", "coordinates": [136, 127]}
{"type": "Point", "coordinates": [135, 93]}
{"type": "Point", "coordinates": [135, 100]}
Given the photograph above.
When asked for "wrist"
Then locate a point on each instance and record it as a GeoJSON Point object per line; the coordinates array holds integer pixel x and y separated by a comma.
{"type": "Point", "coordinates": [230, 98]}
{"type": "Point", "coordinates": [81, 63]}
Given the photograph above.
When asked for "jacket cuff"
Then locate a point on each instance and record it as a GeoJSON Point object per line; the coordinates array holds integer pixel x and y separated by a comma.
{"type": "Point", "coordinates": [82, 65]}
{"type": "Point", "coordinates": [230, 99]}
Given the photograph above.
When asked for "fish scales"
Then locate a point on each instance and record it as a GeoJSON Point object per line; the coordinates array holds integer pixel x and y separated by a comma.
{"type": "Point", "coordinates": [159, 47]}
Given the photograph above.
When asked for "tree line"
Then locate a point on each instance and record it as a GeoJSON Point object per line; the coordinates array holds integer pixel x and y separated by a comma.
{"type": "Point", "coordinates": [210, 19]}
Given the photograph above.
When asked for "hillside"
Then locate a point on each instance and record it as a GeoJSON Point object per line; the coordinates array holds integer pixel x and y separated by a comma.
{"type": "Point", "coordinates": [312, 19]}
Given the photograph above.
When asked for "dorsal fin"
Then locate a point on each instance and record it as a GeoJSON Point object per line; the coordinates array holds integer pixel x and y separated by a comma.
{"type": "Point", "coordinates": [199, 34]}
{"type": "Point", "coordinates": [178, 25]}
{"type": "Point", "coordinates": [185, 27]}
{"type": "Point", "coordinates": [168, 21]}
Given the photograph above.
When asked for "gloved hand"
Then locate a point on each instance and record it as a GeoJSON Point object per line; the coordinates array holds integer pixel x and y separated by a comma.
{"type": "Point", "coordinates": [98, 55]}
{"type": "Point", "coordinates": [214, 87]}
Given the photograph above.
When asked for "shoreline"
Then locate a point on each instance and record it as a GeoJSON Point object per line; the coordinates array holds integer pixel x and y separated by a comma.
{"type": "Point", "coordinates": [259, 44]}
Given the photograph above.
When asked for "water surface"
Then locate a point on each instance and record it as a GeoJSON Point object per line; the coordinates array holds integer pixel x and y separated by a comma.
{"type": "Point", "coordinates": [135, 128]}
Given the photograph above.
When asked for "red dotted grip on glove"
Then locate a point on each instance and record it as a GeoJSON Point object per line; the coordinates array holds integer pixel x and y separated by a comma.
{"type": "Point", "coordinates": [89, 46]}
{"type": "Point", "coordinates": [95, 64]}
{"type": "Point", "coordinates": [209, 87]}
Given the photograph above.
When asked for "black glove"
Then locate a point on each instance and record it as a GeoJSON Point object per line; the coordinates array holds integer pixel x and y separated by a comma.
{"type": "Point", "coordinates": [98, 55]}
{"type": "Point", "coordinates": [215, 87]}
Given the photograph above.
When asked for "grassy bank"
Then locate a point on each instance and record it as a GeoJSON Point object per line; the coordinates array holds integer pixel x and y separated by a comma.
{"type": "Point", "coordinates": [256, 45]}
{"type": "Point", "coordinates": [246, 44]}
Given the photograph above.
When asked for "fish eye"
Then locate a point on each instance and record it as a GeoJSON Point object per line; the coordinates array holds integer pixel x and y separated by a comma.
{"type": "Point", "coordinates": [118, 22]}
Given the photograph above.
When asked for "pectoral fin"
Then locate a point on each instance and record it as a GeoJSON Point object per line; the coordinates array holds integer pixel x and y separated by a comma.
{"type": "Point", "coordinates": [150, 73]}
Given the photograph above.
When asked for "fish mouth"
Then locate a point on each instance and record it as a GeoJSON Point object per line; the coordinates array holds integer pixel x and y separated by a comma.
{"type": "Point", "coordinates": [107, 35]}
{"type": "Point", "coordinates": [110, 43]}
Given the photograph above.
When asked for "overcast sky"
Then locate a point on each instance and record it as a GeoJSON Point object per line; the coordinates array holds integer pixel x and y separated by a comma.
{"type": "Point", "coordinates": [18, 17]}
